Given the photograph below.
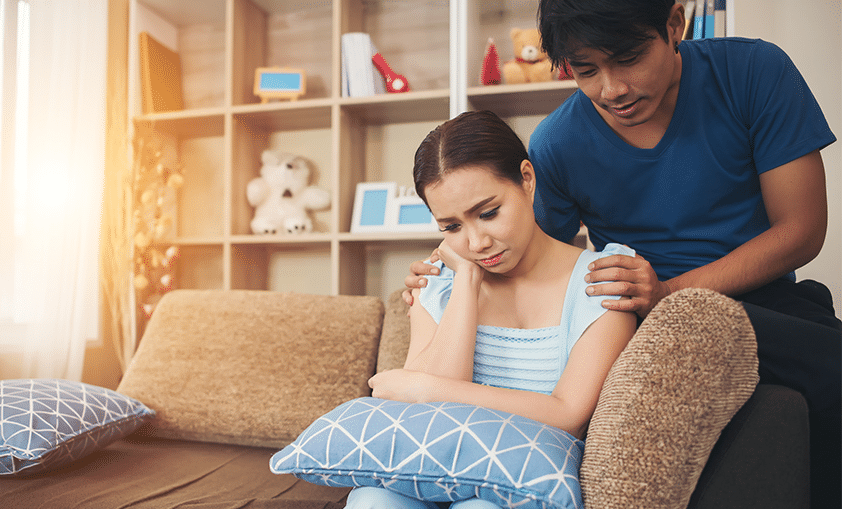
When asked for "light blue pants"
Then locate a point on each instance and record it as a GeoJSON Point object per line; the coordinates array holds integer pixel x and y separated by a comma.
{"type": "Point", "coordinates": [379, 498]}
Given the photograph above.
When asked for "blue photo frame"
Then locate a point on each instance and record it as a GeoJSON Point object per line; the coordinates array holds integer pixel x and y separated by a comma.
{"type": "Point", "coordinates": [408, 213]}
{"type": "Point", "coordinates": [279, 83]}
{"type": "Point", "coordinates": [371, 205]}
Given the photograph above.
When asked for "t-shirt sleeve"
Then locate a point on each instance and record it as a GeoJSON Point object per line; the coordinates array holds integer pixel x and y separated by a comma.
{"type": "Point", "coordinates": [785, 120]}
{"type": "Point", "coordinates": [586, 308]}
{"type": "Point", "coordinates": [555, 211]}
{"type": "Point", "coordinates": [435, 296]}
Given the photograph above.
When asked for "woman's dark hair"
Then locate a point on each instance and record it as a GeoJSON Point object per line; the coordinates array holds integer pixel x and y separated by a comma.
{"type": "Point", "coordinates": [617, 27]}
{"type": "Point", "coordinates": [474, 138]}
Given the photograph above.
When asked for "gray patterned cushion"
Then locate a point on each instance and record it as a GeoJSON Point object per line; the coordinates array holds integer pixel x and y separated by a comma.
{"type": "Point", "coordinates": [46, 423]}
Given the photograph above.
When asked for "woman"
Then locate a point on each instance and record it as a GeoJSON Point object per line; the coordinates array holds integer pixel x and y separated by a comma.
{"type": "Point", "coordinates": [507, 324]}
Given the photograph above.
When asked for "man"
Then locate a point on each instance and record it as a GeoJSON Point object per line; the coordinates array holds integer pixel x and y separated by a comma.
{"type": "Point", "coordinates": [704, 157]}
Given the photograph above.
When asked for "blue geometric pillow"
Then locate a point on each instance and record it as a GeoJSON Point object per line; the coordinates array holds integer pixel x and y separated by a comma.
{"type": "Point", "coordinates": [47, 423]}
{"type": "Point", "coordinates": [438, 452]}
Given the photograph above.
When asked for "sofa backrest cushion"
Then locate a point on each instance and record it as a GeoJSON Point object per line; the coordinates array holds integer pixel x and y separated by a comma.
{"type": "Point", "coordinates": [394, 343]}
{"type": "Point", "coordinates": [252, 367]}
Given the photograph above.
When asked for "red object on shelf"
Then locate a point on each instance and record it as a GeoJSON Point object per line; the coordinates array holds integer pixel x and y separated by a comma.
{"type": "Point", "coordinates": [491, 65]}
{"type": "Point", "coordinates": [564, 72]}
{"type": "Point", "coordinates": [394, 82]}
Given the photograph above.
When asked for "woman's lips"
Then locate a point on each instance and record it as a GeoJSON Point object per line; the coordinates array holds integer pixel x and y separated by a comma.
{"type": "Point", "coordinates": [492, 261]}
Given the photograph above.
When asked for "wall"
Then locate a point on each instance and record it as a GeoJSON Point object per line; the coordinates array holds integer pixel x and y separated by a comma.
{"type": "Point", "coordinates": [811, 33]}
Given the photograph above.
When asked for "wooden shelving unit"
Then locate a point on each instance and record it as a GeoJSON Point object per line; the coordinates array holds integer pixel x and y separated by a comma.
{"type": "Point", "coordinates": [219, 136]}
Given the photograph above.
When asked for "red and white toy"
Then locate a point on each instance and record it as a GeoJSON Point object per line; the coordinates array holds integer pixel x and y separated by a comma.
{"type": "Point", "coordinates": [394, 82]}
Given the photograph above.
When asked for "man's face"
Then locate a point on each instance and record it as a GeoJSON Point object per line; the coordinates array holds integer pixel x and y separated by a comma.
{"type": "Point", "coordinates": [633, 88]}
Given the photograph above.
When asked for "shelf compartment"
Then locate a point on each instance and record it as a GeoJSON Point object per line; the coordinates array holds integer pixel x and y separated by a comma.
{"type": "Point", "coordinates": [373, 151]}
{"type": "Point", "coordinates": [201, 198]}
{"type": "Point", "coordinates": [378, 267]}
{"type": "Point", "coordinates": [196, 31]}
{"type": "Point", "coordinates": [401, 31]}
{"type": "Point", "coordinates": [197, 206]}
{"type": "Point", "coordinates": [302, 268]}
{"type": "Point", "coordinates": [495, 20]}
{"type": "Point", "coordinates": [304, 132]}
{"type": "Point", "coordinates": [199, 267]}
{"type": "Point", "coordinates": [269, 33]}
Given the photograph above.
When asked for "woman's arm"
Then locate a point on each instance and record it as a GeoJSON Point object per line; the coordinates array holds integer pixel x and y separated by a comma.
{"type": "Point", "coordinates": [571, 404]}
{"type": "Point", "coordinates": [447, 349]}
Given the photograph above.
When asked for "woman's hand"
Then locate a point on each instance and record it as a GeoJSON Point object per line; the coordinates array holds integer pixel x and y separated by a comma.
{"type": "Point", "coordinates": [451, 259]}
{"type": "Point", "coordinates": [456, 262]}
{"type": "Point", "coordinates": [403, 385]}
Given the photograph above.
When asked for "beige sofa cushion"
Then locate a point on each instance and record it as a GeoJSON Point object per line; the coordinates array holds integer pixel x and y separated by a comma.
{"type": "Point", "coordinates": [394, 344]}
{"type": "Point", "coordinates": [252, 367]}
{"type": "Point", "coordinates": [688, 369]}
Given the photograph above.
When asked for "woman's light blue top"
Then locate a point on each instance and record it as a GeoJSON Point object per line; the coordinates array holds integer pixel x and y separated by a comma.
{"type": "Point", "coordinates": [527, 359]}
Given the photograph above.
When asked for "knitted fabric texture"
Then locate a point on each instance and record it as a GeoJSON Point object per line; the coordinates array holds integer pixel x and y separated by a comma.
{"type": "Point", "coordinates": [691, 365]}
{"type": "Point", "coordinates": [394, 343]}
{"type": "Point", "coordinates": [252, 367]}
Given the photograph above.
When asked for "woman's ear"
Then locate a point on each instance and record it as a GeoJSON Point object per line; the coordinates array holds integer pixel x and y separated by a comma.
{"type": "Point", "coordinates": [527, 172]}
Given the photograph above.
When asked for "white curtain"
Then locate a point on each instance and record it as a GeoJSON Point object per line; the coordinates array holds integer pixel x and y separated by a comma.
{"type": "Point", "coordinates": [53, 151]}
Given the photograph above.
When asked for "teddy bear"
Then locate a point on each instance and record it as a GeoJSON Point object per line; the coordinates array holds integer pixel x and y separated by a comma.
{"type": "Point", "coordinates": [281, 196]}
{"type": "Point", "coordinates": [531, 64]}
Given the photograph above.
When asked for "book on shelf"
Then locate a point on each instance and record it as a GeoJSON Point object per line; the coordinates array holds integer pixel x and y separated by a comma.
{"type": "Point", "coordinates": [719, 15]}
{"type": "Point", "coordinates": [708, 18]}
{"type": "Point", "coordinates": [699, 20]}
{"type": "Point", "coordinates": [160, 77]}
{"type": "Point", "coordinates": [359, 76]}
{"type": "Point", "coordinates": [689, 15]}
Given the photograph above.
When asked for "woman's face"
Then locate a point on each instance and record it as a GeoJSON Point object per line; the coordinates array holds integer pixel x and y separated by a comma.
{"type": "Point", "coordinates": [485, 219]}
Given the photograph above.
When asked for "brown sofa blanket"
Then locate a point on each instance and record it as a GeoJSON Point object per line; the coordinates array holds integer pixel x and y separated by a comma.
{"type": "Point", "coordinates": [143, 472]}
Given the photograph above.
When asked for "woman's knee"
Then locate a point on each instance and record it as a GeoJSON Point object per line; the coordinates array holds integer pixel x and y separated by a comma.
{"type": "Point", "coordinates": [368, 497]}
{"type": "Point", "coordinates": [474, 503]}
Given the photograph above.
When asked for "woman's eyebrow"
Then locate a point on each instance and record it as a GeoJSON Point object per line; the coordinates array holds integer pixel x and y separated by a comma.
{"type": "Point", "coordinates": [482, 203]}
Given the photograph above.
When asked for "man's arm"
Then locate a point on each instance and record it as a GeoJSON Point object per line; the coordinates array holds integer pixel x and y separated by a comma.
{"type": "Point", "coordinates": [795, 198]}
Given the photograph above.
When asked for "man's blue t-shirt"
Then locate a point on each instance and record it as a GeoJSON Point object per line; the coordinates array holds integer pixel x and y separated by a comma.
{"type": "Point", "coordinates": [742, 109]}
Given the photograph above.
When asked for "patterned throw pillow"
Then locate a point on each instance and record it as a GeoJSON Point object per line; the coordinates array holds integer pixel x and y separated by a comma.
{"type": "Point", "coordinates": [438, 452]}
{"type": "Point", "coordinates": [47, 423]}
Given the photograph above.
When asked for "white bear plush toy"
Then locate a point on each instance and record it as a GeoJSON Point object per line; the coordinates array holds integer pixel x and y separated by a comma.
{"type": "Point", "coordinates": [281, 196]}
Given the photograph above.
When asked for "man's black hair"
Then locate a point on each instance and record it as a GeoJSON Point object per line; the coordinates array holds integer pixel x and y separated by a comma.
{"type": "Point", "coordinates": [617, 27]}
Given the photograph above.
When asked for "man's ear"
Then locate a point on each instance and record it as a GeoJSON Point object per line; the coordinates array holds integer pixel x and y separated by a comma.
{"type": "Point", "coordinates": [676, 23]}
{"type": "Point", "coordinates": [527, 173]}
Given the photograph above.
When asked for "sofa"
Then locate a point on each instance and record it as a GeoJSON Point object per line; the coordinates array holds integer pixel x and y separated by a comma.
{"type": "Point", "coordinates": [233, 376]}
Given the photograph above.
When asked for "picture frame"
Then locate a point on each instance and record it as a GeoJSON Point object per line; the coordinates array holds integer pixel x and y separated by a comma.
{"type": "Point", "coordinates": [409, 213]}
{"type": "Point", "coordinates": [279, 83]}
{"type": "Point", "coordinates": [371, 206]}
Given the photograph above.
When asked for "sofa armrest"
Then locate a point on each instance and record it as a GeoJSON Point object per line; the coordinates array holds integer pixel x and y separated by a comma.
{"type": "Point", "coordinates": [762, 458]}
{"type": "Point", "coordinates": [688, 369]}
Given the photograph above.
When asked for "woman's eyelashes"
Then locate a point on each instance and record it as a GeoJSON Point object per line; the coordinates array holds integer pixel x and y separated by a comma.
{"type": "Point", "coordinates": [487, 215]}
{"type": "Point", "coordinates": [490, 213]}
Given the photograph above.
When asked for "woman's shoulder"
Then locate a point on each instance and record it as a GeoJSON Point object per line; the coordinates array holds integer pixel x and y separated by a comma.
{"type": "Point", "coordinates": [610, 249]}
{"type": "Point", "coordinates": [577, 283]}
